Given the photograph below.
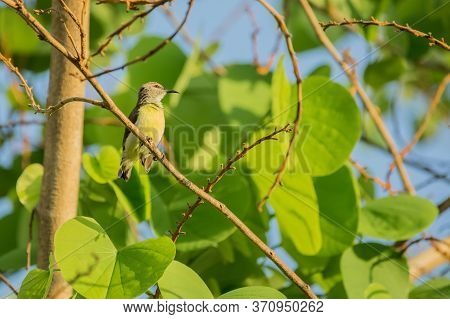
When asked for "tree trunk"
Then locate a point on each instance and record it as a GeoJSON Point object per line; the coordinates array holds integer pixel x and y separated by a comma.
{"type": "Point", "coordinates": [63, 138]}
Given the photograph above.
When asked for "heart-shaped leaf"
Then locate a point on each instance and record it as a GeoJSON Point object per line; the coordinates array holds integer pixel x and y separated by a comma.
{"type": "Point", "coordinates": [35, 285]}
{"type": "Point", "coordinates": [28, 185]}
{"type": "Point", "coordinates": [103, 167]}
{"type": "Point", "coordinates": [255, 292]}
{"type": "Point", "coordinates": [90, 262]}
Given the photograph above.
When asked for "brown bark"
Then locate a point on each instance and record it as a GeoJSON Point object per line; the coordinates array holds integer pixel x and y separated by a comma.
{"type": "Point", "coordinates": [63, 137]}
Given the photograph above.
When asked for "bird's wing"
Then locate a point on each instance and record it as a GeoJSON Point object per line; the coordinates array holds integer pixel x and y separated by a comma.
{"type": "Point", "coordinates": [133, 118]}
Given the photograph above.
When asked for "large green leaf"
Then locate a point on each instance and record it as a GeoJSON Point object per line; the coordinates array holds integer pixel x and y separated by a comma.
{"type": "Point", "coordinates": [254, 292]}
{"type": "Point", "coordinates": [244, 95]}
{"type": "Point", "coordinates": [103, 167]}
{"type": "Point", "coordinates": [28, 185]}
{"type": "Point", "coordinates": [333, 125]}
{"type": "Point", "coordinates": [364, 265]}
{"type": "Point", "coordinates": [339, 208]}
{"type": "Point", "coordinates": [35, 285]}
{"type": "Point", "coordinates": [296, 209]}
{"type": "Point", "coordinates": [397, 217]}
{"type": "Point", "coordinates": [163, 67]}
{"type": "Point", "coordinates": [206, 227]}
{"type": "Point", "coordinates": [181, 282]}
{"type": "Point", "coordinates": [95, 268]}
{"type": "Point", "coordinates": [436, 288]}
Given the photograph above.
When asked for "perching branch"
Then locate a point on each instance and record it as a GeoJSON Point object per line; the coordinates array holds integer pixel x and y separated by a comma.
{"type": "Point", "coordinates": [112, 107]}
{"type": "Point", "coordinates": [155, 49]}
{"type": "Point", "coordinates": [51, 109]}
{"type": "Point", "coordinates": [287, 36]}
{"type": "Point", "coordinates": [426, 120]}
{"type": "Point", "coordinates": [368, 104]}
{"type": "Point", "coordinates": [373, 21]}
{"type": "Point", "coordinates": [224, 169]}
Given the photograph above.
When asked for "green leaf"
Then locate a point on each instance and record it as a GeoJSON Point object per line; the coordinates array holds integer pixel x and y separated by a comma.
{"type": "Point", "coordinates": [35, 285]}
{"type": "Point", "coordinates": [17, 40]}
{"type": "Point", "coordinates": [244, 95]}
{"type": "Point", "coordinates": [254, 292]}
{"type": "Point", "coordinates": [281, 94]}
{"type": "Point", "coordinates": [436, 288]}
{"type": "Point", "coordinates": [181, 282]}
{"type": "Point", "coordinates": [207, 227]}
{"type": "Point", "coordinates": [28, 185]}
{"type": "Point", "coordinates": [323, 70]}
{"type": "Point", "coordinates": [156, 68]}
{"type": "Point", "coordinates": [332, 125]}
{"type": "Point", "coordinates": [103, 167]}
{"type": "Point", "coordinates": [397, 217]}
{"type": "Point", "coordinates": [95, 268]}
{"type": "Point", "coordinates": [384, 71]}
{"type": "Point", "coordinates": [366, 188]}
{"type": "Point", "coordinates": [366, 264]}
{"type": "Point", "coordinates": [295, 205]}
{"type": "Point", "coordinates": [339, 209]}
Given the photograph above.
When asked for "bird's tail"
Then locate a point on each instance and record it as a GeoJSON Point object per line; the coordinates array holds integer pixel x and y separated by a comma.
{"type": "Point", "coordinates": [125, 170]}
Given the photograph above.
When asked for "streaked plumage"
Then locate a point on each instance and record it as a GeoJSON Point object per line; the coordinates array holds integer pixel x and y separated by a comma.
{"type": "Point", "coordinates": [148, 116]}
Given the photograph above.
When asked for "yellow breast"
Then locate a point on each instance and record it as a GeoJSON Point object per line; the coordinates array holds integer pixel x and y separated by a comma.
{"type": "Point", "coordinates": [151, 121]}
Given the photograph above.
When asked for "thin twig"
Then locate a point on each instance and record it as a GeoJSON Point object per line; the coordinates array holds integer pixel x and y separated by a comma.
{"type": "Point", "coordinates": [132, 4]}
{"type": "Point", "coordinates": [28, 89]}
{"type": "Point", "coordinates": [79, 25]}
{"type": "Point", "coordinates": [120, 29]}
{"type": "Point", "coordinates": [51, 109]}
{"type": "Point", "coordinates": [102, 121]}
{"type": "Point", "coordinates": [366, 175]}
{"type": "Point", "coordinates": [224, 169]}
{"type": "Point", "coordinates": [424, 124]}
{"type": "Point", "coordinates": [406, 28]}
{"type": "Point", "coordinates": [148, 142]}
{"type": "Point", "coordinates": [368, 104]}
{"type": "Point", "coordinates": [413, 242]}
{"type": "Point", "coordinates": [8, 284]}
{"type": "Point", "coordinates": [155, 49]}
{"type": "Point", "coordinates": [444, 205]}
{"type": "Point", "coordinates": [72, 40]}
{"type": "Point", "coordinates": [287, 36]}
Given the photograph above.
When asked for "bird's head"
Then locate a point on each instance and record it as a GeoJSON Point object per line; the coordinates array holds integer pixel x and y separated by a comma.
{"type": "Point", "coordinates": [152, 92]}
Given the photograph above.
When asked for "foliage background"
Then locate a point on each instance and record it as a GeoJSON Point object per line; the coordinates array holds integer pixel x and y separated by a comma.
{"type": "Point", "coordinates": [401, 77]}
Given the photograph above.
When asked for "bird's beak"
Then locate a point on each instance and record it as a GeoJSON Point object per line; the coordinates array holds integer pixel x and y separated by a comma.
{"type": "Point", "coordinates": [172, 91]}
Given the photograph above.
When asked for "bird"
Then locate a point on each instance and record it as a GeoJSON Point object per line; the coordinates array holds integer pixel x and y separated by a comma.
{"type": "Point", "coordinates": [148, 116]}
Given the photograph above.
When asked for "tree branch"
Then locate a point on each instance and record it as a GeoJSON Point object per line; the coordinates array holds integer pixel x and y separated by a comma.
{"type": "Point", "coordinates": [229, 166]}
{"type": "Point", "coordinates": [154, 50]}
{"type": "Point", "coordinates": [28, 89]}
{"type": "Point", "coordinates": [8, 284]}
{"type": "Point", "coordinates": [132, 4]}
{"type": "Point", "coordinates": [112, 107]}
{"type": "Point", "coordinates": [366, 175]}
{"type": "Point", "coordinates": [373, 21]}
{"type": "Point", "coordinates": [51, 109]}
{"type": "Point", "coordinates": [287, 36]}
{"type": "Point", "coordinates": [368, 104]}
{"type": "Point", "coordinates": [426, 120]}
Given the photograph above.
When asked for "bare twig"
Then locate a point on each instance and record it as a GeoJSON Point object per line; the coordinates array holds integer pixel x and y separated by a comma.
{"type": "Point", "coordinates": [373, 21]}
{"type": "Point", "coordinates": [431, 239]}
{"type": "Point", "coordinates": [425, 122]}
{"type": "Point", "coordinates": [366, 175]}
{"type": "Point", "coordinates": [51, 109]}
{"type": "Point", "coordinates": [287, 36]}
{"type": "Point", "coordinates": [133, 4]}
{"type": "Point", "coordinates": [28, 89]}
{"type": "Point", "coordinates": [8, 284]}
{"type": "Point", "coordinates": [368, 104]}
{"type": "Point", "coordinates": [102, 121]}
{"type": "Point", "coordinates": [444, 205]}
{"type": "Point", "coordinates": [155, 49]}
{"type": "Point", "coordinates": [79, 25]}
{"type": "Point", "coordinates": [148, 142]}
{"type": "Point", "coordinates": [120, 29]}
{"type": "Point", "coordinates": [224, 169]}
